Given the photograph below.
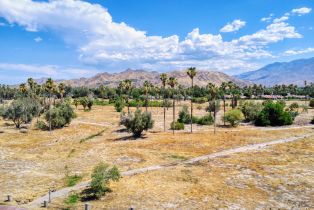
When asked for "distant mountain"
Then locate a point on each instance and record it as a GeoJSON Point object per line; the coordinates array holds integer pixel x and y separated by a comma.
{"type": "Point", "coordinates": [294, 72]}
{"type": "Point", "coordinates": [139, 76]}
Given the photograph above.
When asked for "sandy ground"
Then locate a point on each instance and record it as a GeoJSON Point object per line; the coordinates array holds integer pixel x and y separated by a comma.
{"type": "Point", "coordinates": [32, 163]}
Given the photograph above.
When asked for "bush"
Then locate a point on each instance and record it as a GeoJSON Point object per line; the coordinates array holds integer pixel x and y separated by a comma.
{"type": "Point", "coordinates": [311, 104]}
{"type": "Point", "coordinates": [87, 102]}
{"type": "Point", "coordinates": [234, 117]}
{"type": "Point", "coordinates": [199, 100]}
{"type": "Point", "coordinates": [73, 180]}
{"type": "Point", "coordinates": [60, 115]}
{"type": "Point", "coordinates": [177, 126]}
{"type": "Point", "coordinates": [273, 114]}
{"type": "Point", "coordinates": [101, 177]}
{"type": "Point", "coordinates": [101, 102]}
{"type": "Point", "coordinates": [41, 125]}
{"type": "Point", "coordinates": [294, 106]}
{"type": "Point", "coordinates": [206, 120]}
{"type": "Point", "coordinates": [21, 110]}
{"type": "Point", "coordinates": [119, 104]}
{"type": "Point", "coordinates": [185, 117]}
{"type": "Point", "coordinates": [212, 106]}
{"type": "Point", "coordinates": [138, 122]}
{"type": "Point", "coordinates": [251, 110]}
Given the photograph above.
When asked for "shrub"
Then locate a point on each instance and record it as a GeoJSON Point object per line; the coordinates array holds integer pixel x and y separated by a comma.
{"type": "Point", "coordinates": [138, 122]}
{"type": "Point", "coordinates": [185, 117]}
{"type": "Point", "coordinates": [177, 126]}
{"type": "Point", "coordinates": [72, 199]}
{"type": "Point", "coordinates": [294, 106]}
{"type": "Point", "coordinates": [311, 104]}
{"type": "Point", "coordinates": [234, 117]}
{"type": "Point", "coordinates": [206, 120]}
{"type": "Point", "coordinates": [87, 102]}
{"type": "Point", "coordinates": [199, 100]}
{"type": "Point", "coordinates": [282, 102]}
{"type": "Point", "coordinates": [101, 176]}
{"type": "Point", "coordinates": [167, 103]}
{"type": "Point", "coordinates": [21, 110]}
{"type": "Point", "coordinates": [60, 115]}
{"type": "Point", "coordinates": [41, 125]}
{"type": "Point", "coordinates": [250, 110]}
{"type": "Point", "coordinates": [212, 106]}
{"type": "Point", "coordinates": [101, 102]}
{"type": "Point", "coordinates": [119, 104]}
{"type": "Point", "coordinates": [273, 114]}
{"type": "Point", "coordinates": [73, 180]}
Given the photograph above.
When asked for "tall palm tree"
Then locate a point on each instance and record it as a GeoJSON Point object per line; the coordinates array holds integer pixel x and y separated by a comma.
{"type": "Point", "coordinates": [213, 91]}
{"type": "Point", "coordinates": [164, 79]}
{"type": "Point", "coordinates": [50, 88]}
{"type": "Point", "coordinates": [61, 90]}
{"type": "Point", "coordinates": [172, 83]}
{"type": "Point", "coordinates": [234, 93]}
{"type": "Point", "coordinates": [223, 88]}
{"type": "Point", "coordinates": [147, 87]}
{"type": "Point", "coordinates": [126, 85]}
{"type": "Point", "coordinates": [191, 72]}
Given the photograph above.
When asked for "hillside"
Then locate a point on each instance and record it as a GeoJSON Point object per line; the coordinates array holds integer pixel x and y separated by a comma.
{"type": "Point", "coordinates": [294, 72]}
{"type": "Point", "coordinates": [139, 76]}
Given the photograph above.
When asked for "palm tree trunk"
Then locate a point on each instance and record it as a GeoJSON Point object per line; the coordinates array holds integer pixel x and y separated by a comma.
{"type": "Point", "coordinates": [173, 114]}
{"type": "Point", "coordinates": [49, 112]}
{"type": "Point", "coordinates": [224, 109]}
{"type": "Point", "coordinates": [214, 116]}
{"type": "Point", "coordinates": [146, 102]}
{"type": "Point", "coordinates": [164, 110]}
{"type": "Point", "coordinates": [191, 120]}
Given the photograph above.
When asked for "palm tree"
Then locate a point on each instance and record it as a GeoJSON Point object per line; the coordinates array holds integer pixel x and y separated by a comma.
{"type": "Point", "coordinates": [32, 85]}
{"type": "Point", "coordinates": [191, 72]}
{"type": "Point", "coordinates": [50, 88]}
{"type": "Point", "coordinates": [61, 90]}
{"type": "Point", "coordinates": [172, 83]}
{"type": "Point", "coordinates": [164, 79]}
{"type": "Point", "coordinates": [147, 87]}
{"type": "Point", "coordinates": [223, 88]}
{"type": "Point", "coordinates": [126, 85]}
{"type": "Point", "coordinates": [234, 93]}
{"type": "Point", "coordinates": [213, 91]}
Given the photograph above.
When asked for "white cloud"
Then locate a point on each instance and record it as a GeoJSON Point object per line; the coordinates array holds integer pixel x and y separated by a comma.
{"type": "Point", "coordinates": [100, 41]}
{"type": "Point", "coordinates": [267, 19]}
{"type": "Point", "coordinates": [54, 71]}
{"type": "Point", "coordinates": [297, 52]}
{"type": "Point", "coordinates": [301, 11]}
{"type": "Point", "coordinates": [281, 19]}
{"type": "Point", "coordinates": [234, 26]}
{"type": "Point", "coordinates": [38, 39]}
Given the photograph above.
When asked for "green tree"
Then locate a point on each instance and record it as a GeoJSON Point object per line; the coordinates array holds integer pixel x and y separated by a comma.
{"type": "Point", "coordinates": [213, 92]}
{"type": "Point", "coordinates": [138, 122]}
{"type": "Point", "coordinates": [234, 117]}
{"type": "Point", "coordinates": [147, 87]}
{"type": "Point", "coordinates": [191, 72]}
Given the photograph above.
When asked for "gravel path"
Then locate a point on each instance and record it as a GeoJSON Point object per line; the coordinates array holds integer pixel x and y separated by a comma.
{"type": "Point", "coordinates": [65, 191]}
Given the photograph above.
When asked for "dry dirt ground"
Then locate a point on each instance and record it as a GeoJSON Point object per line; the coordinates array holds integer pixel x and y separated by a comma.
{"type": "Point", "coordinates": [279, 177]}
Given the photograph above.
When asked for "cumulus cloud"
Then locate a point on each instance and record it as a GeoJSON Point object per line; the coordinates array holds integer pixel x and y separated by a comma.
{"type": "Point", "coordinates": [297, 52]}
{"type": "Point", "coordinates": [267, 19]}
{"type": "Point", "coordinates": [38, 39]}
{"type": "Point", "coordinates": [234, 26]}
{"type": "Point", "coordinates": [101, 41]}
{"type": "Point", "coordinates": [301, 11]}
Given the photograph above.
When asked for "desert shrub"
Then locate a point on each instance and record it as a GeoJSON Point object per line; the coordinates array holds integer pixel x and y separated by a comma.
{"type": "Point", "coordinates": [21, 110]}
{"type": "Point", "coordinates": [185, 117]}
{"type": "Point", "coordinates": [119, 104]}
{"type": "Point", "coordinates": [72, 199]}
{"type": "Point", "coordinates": [41, 125]}
{"type": "Point", "coordinates": [101, 176]}
{"type": "Point", "coordinates": [199, 100]}
{"type": "Point", "coordinates": [72, 180]}
{"type": "Point", "coordinates": [293, 114]}
{"type": "Point", "coordinates": [273, 114]}
{"type": "Point", "coordinates": [177, 126]}
{"type": "Point", "coordinates": [234, 117]}
{"type": "Point", "coordinates": [250, 110]}
{"type": "Point", "coordinates": [167, 103]}
{"type": "Point", "coordinates": [99, 102]}
{"type": "Point", "coordinates": [76, 102]}
{"type": "Point", "coordinates": [212, 105]}
{"type": "Point", "coordinates": [60, 115]}
{"type": "Point", "coordinates": [138, 122]}
{"type": "Point", "coordinates": [304, 108]}
{"type": "Point", "coordinates": [206, 120]}
{"type": "Point", "coordinates": [282, 102]}
{"type": "Point", "coordinates": [142, 103]}
{"type": "Point", "coordinates": [311, 104]}
{"type": "Point", "coordinates": [86, 102]}
{"type": "Point", "coordinates": [294, 106]}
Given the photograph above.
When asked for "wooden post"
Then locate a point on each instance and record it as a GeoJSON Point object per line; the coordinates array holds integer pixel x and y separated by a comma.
{"type": "Point", "coordinates": [45, 204]}
{"type": "Point", "coordinates": [9, 198]}
{"type": "Point", "coordinates": [87, 206]}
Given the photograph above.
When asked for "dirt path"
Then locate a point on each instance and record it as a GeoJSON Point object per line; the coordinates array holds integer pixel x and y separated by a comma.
{"type": "Point", "coordinates": [65, 191]}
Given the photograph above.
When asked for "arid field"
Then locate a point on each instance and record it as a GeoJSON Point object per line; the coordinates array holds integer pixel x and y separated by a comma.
{"type": "Point", "coordinates": [280, 176]}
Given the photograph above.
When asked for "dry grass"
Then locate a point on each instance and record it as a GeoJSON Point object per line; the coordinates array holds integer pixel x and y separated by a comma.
{"type": "Point", "coordinates": [34, 162]}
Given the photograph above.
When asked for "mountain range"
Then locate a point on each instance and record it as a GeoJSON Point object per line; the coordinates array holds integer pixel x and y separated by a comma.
{"type": "Point", "coordinates": [294, 72]}
{"type": "Point", "coordinates": [139, 76]}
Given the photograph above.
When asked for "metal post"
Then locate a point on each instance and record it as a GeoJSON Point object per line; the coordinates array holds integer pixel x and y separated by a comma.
{"type": "Point", "coordinates": [49, 198]}
{"type": "Point", "coordinates": [45, 204]}
{"type": "Point", "coordinates": [9, 198]}
{"type": "Point", "coordinates": [87, 206]}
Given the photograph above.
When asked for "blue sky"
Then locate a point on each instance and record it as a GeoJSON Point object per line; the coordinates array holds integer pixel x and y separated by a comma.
{"type": "Point", "coordinates": [72, 39]}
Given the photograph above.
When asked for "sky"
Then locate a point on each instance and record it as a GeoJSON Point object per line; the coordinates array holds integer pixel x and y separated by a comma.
{"type": "Point", "coordinates": [66, 39]}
